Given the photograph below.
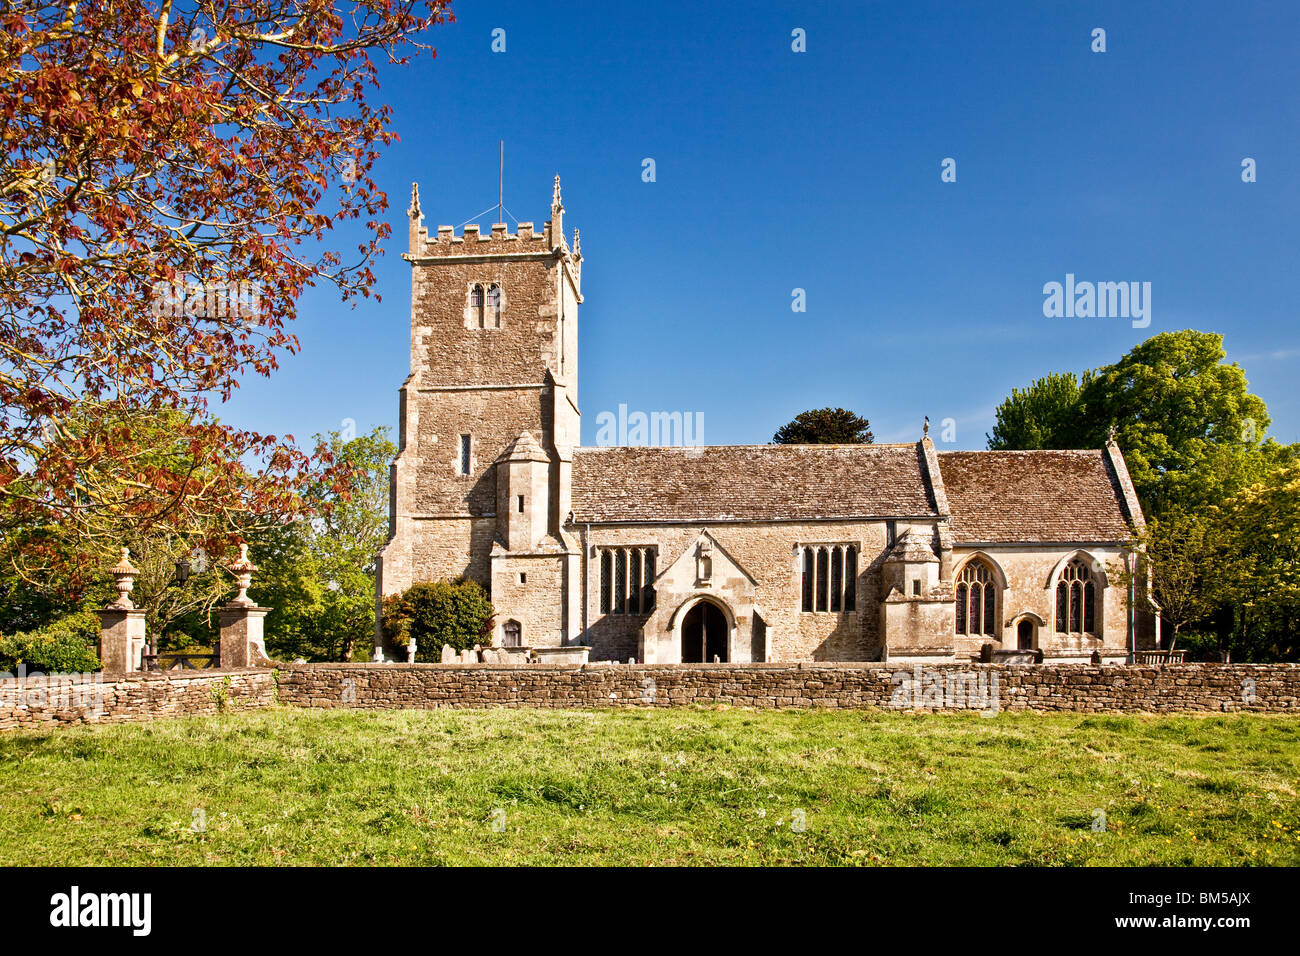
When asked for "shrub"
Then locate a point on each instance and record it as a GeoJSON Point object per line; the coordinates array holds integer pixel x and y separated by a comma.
{"type": "Point", "coordinates": [457, 613]}
{"type": "Point", "coordinates": [66, 646]}
{"type": "Point", "coordinates": [1199, 646]}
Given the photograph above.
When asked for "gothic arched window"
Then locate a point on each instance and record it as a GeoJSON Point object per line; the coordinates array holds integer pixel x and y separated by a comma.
{"type": "Point", "coordinates": [476, 306]}
{"type": "Point", "coordinates": [494, 305]}
{"type": "Point", "coordinates": [1076, 600]}
{"type": "Point", "coordinates": [977, 600]}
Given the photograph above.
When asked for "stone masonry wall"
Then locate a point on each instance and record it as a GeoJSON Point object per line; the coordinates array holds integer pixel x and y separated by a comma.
{"type": "Point", "coordinates": [44, 702]}
{"type": "Point", "coordinates": [40, 702]}
{"type": "Point", "coordinates": [1190, 687]}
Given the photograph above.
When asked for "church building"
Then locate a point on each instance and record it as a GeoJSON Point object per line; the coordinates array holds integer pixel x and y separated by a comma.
{"type": "Point", "coordinates": [666, 555]}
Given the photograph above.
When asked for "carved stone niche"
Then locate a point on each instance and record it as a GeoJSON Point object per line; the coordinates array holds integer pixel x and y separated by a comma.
{"type": "Point", "coordinates": [704, 564]}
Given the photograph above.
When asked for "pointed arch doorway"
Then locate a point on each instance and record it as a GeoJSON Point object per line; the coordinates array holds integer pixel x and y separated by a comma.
{"type": "Point", "coordinates": [705, 634]}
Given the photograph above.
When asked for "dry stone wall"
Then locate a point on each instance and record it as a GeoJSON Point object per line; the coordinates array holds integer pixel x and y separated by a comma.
{"type": "Point", "coordinates": [1192, 687]}
{"type": "Point", "coordinates": [42, 702]}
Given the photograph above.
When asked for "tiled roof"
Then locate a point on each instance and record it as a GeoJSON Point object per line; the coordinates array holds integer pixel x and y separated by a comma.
{"type": "Point", "coordinates": [993, 496]}
{"type": "Point", "coordinates": [1027, 496]}
{"type": "Point", "coordinates": [748, 483]}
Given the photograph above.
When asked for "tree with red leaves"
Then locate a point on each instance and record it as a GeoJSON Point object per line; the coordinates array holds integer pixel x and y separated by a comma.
{"type": "Point", "coordinates": [168, 177]}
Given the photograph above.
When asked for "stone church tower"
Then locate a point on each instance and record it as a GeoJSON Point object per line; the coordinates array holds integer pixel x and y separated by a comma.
{"type": "Point", "coordinates": [482, 484]}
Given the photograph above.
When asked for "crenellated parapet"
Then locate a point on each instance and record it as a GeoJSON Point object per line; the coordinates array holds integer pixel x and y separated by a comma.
{"type": "Point", "coordinates": [525, 240]}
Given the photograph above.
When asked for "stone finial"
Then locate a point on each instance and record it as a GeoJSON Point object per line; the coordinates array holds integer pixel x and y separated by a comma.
{"type": "Point", "coordinates": [1110, 433]}
{"type": "Point", "coordinates": [416, 233]}
{"type": "Point", "coordinates": [124, 574]}
{"type": "Point", "coordinates": [577, 243]}
{"type": "Point", "coordinates": [555, 195]}
{"type": "Point", "coordinates": [243, 570]}
{"type": "Point", "coordinates": [925, 429]}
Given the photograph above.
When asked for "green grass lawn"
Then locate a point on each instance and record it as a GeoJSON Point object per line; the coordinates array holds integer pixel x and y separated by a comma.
{"type": "Point", "coordinates": [290, 786]}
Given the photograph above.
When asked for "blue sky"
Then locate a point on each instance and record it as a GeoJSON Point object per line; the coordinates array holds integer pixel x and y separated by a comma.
{"type": "Point", "coordinates": [820, 170]}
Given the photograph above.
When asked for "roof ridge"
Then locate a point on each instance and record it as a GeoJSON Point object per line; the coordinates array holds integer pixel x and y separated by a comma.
{"type": "Point", "coordinates": [908, 444]}
{"type": "Point", "coordinates": [1021, 451]}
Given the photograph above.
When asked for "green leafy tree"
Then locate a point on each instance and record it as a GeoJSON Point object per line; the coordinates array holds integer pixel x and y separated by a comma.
{"type": "Point", "coordinates": [1211, 483]}
{"type": "Point", "coordinates": [1047, 414]}
{"type": "Point", "coordinates": [1266, 522]}
{"type": "Point", "coordinates": [318, 574]}
{"type": "Point", "coordinates": [1191, 431]}
{"type": "Point", "coordinates": [825, 426]}
{"type": "Point", "coordinates": [456, 613]}
{"type": "Point", "coordinates": [1187, 552]}
{"type": "Point", "coordinates": [1173, 402]}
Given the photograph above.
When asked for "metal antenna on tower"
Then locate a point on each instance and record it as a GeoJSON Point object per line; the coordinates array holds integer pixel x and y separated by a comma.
{"type": "Point", "coordinates": [501, 185]}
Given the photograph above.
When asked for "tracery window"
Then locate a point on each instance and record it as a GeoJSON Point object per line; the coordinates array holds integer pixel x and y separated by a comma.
{"type": "Point", "coordinates": [1076, 599]}
{"type": "Point", "coordinates": [494, 305]}
{"type": "Point", "coordinates": [977, 600]}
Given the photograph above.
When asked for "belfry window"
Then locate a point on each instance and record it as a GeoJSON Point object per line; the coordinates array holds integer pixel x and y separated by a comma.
{"type": "Point", "coordinates": [977, 600]}
{"type": "Point", "coordinates": [1076, 600]}
{"type": "Point", "coordinates": [627, 580]}
{"type": "Point", "coordinates": [830, 578]}
{"type": "Point", "coordinates": [476, 306]}
{"type": "Point", "coordinates": [494, 305]}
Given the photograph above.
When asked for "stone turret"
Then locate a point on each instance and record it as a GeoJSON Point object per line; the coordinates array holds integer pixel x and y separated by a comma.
{"type": "Point", "coordinates": [911, 566]}
{"type": "Point", "coordinates": [523, 485]}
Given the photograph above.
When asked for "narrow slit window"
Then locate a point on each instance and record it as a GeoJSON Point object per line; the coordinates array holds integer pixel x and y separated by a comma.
{"type": "Point", "coordinates": [648, 594]}
{"type": "Point", "coordinates": [837, 577]}
{"type": "Point", "coordinates": [807, 579]}
{"type": "Point", "coordinates": [823, 578]}
{"type": "Point", "coordinates": [634, 582]}
{"type": "Point", "coordinates": [850, 578]}
{"type": "Point", "coordinates": [605, 561]}
{"type": "Point", "coordinates": [464, 454]}
{"type": "Point", "coordinates": [620, 581]}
